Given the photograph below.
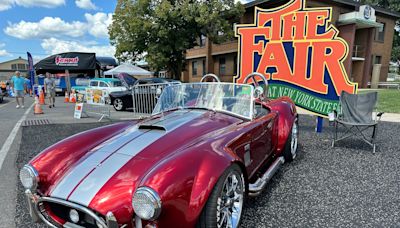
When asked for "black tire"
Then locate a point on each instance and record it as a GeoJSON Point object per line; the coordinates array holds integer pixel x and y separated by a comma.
{"type": "Point", "coordinates": [209, 217]}
{"type": "Point", "coordinates": [118, 104]}
{"type": "Point", "coordinates": [287, 151]}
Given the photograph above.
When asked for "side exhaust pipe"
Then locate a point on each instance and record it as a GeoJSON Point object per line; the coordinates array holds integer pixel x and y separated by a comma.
{"type": "Point", "coordinates": [256, 188]}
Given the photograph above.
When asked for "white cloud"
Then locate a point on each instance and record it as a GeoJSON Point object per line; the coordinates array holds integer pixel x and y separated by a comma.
{"type": "Point", "coordinates": [86, 4]}
{"type": "Point", "coordinates": [8, 4]}
{"type": "Point", "coordinates": [45, 28]}
{"type": "Point", "coordinates": [3, 52]}
{"type": "Point", "coordinates": [54, 46]}
{"type": "Point", "coordinates": [98, 24]}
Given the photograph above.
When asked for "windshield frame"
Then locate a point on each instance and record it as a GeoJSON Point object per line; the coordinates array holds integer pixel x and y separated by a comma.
{"type": "Point", "coordinates": [252, 99]}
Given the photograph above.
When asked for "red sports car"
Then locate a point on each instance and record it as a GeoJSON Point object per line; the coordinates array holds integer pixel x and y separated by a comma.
{"type": "Point", "coordinates": [190, 164]}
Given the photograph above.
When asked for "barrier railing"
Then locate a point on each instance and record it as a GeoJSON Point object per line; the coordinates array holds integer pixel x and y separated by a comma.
{"type": "Point", "coordinates": [145, 97]}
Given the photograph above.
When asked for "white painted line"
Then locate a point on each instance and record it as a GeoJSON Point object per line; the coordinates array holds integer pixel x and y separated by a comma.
{"type": "Point", "coordinates": [7, 103]}
{"type": "Point", "coordinates": [10, 139]}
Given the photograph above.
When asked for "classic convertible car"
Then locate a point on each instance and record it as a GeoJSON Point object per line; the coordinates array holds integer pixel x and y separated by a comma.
{"type": "Point", "coordinates": [206, 147]}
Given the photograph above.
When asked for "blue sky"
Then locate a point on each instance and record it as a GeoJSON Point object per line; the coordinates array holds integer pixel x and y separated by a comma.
{"type": "Point", "coordinates": [45, 27]}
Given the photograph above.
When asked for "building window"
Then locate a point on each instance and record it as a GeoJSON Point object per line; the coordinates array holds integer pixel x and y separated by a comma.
{"type": "Point", "coordinates": [21, 67]}
{"type": "Point", "coordinates": [222, 66]}
{"type": "Point", "coordinates": [380, 33]}
{"type": "Point", "coordinates": [204, 67]}
{"type": "Point", "coordinates": [378, 59]}
{"type": "Point", "coordinates": [13, 66]}
{"type": "Point", "coordinates": [194, 67]}
{"type": "Point", "coordinates": [235, 65]}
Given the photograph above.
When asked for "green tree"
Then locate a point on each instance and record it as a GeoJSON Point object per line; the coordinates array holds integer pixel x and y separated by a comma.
{"type": "Point", "coordinates": [162, 30]}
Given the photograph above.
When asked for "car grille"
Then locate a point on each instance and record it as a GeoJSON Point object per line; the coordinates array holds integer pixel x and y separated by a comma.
{"type": "Point", "coordinates": [54, 210]}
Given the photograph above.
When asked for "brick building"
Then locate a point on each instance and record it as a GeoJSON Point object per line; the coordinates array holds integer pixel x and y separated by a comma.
{"type": "Point", "coordinates": [368, 31]}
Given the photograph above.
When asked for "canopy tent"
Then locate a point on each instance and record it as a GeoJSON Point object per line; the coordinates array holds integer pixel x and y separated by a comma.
{"type": "Point", "coordinates": [129, 69]}
{"type": "Point", "coordinates": [68, 61]}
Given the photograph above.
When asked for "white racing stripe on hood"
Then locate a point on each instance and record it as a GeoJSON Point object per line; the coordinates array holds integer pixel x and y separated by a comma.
{"type": "Point", "coordinates": [72, 178]}
{"type": "Point", "coordinates": [95, 181]}
{"type": "Point", "coordinates": [84, 184]}
{"type": "Point", "coordinates": [101, 152]}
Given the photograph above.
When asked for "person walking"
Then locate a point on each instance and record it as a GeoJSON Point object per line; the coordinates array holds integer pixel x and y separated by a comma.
{"type": "Point", "coordinates": [18, 84]}
{"type": "Point", "coordinates": [28, 86]}
{"type": "Point", "coordinates": [50, 88]}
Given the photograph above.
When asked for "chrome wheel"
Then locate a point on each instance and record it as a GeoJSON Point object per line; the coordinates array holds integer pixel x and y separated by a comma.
{"type": "Point", "coordinates": [118, 104]}
{"type": "Point", "coordinates": [294, 141]}
{"type": "Point", "coordinates": [230, 201]}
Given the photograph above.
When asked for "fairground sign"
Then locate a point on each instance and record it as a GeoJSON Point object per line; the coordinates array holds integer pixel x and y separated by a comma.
{"type": "Point", "coordinates": [299, 52]}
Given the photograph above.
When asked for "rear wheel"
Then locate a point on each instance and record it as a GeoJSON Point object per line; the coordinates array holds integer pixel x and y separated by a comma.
{"type": "Point", "coordinates": [118, 104]}
{"type": "Point", "coordinates": [225, 203]}
{"type": "Point", "coordinates": [290, 150]}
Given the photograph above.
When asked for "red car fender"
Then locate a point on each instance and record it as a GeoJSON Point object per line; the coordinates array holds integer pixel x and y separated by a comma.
{"type": "Point", "coordinates": [53, 162]}
{"type": "Point", "coordinates": [185, 181]}
{"type": "Point", "coordinates": [287, 114]}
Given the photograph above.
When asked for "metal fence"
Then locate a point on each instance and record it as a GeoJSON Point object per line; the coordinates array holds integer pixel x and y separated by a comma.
{"type": "Point", "coordinates": [145, 98]}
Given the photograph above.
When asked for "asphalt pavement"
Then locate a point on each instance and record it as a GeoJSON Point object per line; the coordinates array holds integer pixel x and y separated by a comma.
{"type": "Point", "coordinates": [345, 186]}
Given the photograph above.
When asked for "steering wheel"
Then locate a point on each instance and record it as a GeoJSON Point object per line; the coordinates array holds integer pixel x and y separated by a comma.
{"type": "Point", "coordinates": [256, 84]}
{"type": "Point", "coordinates": [211, 76]}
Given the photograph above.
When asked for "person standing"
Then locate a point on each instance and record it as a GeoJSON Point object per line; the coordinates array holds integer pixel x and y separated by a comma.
{"type": "Point", "coordinates": [18, 84]}
{"type": "Point", "coordinates": [50, 88]}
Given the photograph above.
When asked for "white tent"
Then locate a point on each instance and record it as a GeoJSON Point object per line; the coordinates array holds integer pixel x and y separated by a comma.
{"type": "Point", "coordinates": [129, 69]}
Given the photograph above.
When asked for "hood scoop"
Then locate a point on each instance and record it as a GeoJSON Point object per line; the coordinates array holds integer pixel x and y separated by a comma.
{"type": "Point", "coordinates": [152, 127]}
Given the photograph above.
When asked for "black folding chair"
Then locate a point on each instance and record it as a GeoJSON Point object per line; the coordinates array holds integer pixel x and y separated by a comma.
{"type": "Point", "coordinates": [357, 113]}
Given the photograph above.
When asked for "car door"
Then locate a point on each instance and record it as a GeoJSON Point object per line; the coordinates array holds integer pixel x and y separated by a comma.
{"type": "Point", "coordinates": [261, 141]}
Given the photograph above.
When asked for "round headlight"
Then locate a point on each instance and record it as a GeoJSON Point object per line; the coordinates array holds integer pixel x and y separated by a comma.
{"type": "Point", "coordinates": [146, 203]}
{"type": "Point", "coordinates": [29, 177]}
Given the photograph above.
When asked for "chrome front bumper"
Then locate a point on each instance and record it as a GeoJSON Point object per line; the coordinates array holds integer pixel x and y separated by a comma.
{"type": "Point", "coordinates": [38, 213]}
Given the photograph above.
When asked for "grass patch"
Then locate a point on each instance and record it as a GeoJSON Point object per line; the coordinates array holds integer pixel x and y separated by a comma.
{"type": "Point", "coordinates": [388, 100]}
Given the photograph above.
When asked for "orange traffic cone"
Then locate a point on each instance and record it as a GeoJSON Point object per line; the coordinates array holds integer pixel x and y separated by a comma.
{"type": "Point", "coordinates": [38, 108]}
{"type": "Point", "coordinates": [66, 99]}
{"type": "Point", "coordinates": [72, 97]}
{"type": "Point", "coordinates": [41, 98]}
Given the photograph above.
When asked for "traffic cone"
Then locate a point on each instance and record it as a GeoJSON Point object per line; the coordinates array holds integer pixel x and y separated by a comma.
{"type": "Point", "coordinates": [38, 108]}
{"type": "Point", "coordinates": [72, 97]}
{"type": "Point", "coordinates": [66, 99]}
{"type": "Point", "coordinates": [41, 98]}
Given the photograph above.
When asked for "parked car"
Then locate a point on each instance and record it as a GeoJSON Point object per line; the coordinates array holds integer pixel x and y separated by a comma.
{"type": "Point", "coordinates": [206, 146]}
{"type": "Point", "coordinates": [124, 100]}
{"type": "Point", "coordinates": [108, 84]}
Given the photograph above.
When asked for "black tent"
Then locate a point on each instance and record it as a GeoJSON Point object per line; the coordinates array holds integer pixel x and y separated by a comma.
{"type": "Point", "coordinates": [72, 61]}
{"type": "Point", "coordinates": [70, 64]}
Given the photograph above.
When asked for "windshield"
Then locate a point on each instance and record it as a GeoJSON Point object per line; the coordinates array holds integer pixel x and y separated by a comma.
{"type": "Point", "coordinates": [234, 99]}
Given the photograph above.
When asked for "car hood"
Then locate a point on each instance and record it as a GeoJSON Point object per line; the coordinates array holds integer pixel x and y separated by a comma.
{"type": "Point", "coordinates": [120, 93]}
{"type": "Point", "coordinates": [106, 177]}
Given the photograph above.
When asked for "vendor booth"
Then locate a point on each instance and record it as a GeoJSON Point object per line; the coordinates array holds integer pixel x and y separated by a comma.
{"type": "Point", "coordinates": [69, 68]}
{"type": "Point", "coordinates": [130, 69]}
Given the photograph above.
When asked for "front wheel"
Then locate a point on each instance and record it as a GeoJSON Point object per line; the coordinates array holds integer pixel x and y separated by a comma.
{"type": "Point", "coordinates": [290, 150]}
{"type": "Point", "coordinates": [118, 104]}
{"type": "Point", "coordinates": [225, 203]}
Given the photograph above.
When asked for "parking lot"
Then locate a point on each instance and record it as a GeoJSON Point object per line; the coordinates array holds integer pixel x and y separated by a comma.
{"type": "Point", "coordinates": [346, 186]}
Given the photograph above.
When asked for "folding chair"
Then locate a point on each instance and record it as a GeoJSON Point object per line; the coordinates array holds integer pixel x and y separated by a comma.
{"type": "Point", "coordinates": [357, 113]}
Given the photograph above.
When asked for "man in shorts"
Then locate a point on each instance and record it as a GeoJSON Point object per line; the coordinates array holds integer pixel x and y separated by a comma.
{"type": "Point", "coordinates": [18, 84]}
{"type": "Point", "coordinates": [50, 88]}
